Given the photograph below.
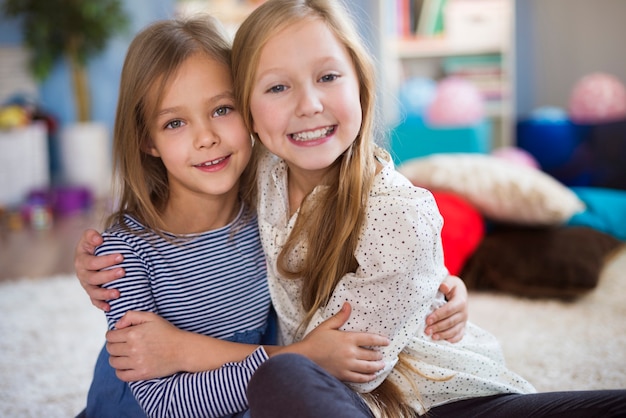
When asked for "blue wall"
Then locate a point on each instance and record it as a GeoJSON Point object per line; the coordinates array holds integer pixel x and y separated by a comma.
{"type": "Point", "coordinates": [104, 70]}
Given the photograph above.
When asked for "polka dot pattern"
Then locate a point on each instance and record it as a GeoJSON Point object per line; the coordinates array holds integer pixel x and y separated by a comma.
{"type": "Point", "coordinates": [393, 290]}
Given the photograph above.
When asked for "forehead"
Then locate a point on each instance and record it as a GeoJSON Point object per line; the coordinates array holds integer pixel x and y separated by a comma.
{"type": "Point", "coordinates": [196, 74]}
{"type": "Point", "coordinates": [309, 36]}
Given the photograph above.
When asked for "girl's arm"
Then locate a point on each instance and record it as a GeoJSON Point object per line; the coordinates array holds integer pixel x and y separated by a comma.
{"type": "Point", "coordinates": [179, 394]}
{"type": "Point", "coordinates": [446, 323]}
{"type": "Point", "coordinates": [140, 352]}
{"type": "Point", "coordinates": [400, 270]}
{"type": "Point", "coordinates": [145, 346]}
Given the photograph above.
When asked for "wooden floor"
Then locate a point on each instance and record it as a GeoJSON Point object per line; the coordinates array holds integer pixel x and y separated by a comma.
{"type": "Point", "coordinates": [29, 252]}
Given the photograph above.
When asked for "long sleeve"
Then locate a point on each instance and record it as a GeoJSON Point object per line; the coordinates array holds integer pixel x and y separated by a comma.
{"type": "Point", "coordinates": [185, 294]}
{"type": "Point", "coordinates": [400, 270]}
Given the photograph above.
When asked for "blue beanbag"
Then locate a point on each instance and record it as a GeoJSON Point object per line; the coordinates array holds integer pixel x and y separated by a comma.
{"type": "Point", "coordinates": [606, 210]}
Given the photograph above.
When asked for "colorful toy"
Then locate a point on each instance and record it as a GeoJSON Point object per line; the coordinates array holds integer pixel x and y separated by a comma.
{"type": "Point", "coordinates": [516, 155]}
{"type": "Point", "coordinates": [457, 102]}
{"type": "Point", "coordinates": [416, 94]}
{"type": "Point", "coordinates": [597, 98]}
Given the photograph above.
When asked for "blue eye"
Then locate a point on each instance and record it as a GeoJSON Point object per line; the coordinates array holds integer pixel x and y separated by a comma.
{"type": "Point", "coordinates": [222, 111]}
{"type": "Point", "coordinates": [277, 89]}
{"type": "Point", "coordinates": [174, 124]}
{"type": "Point", "coordinates": [329, 77]}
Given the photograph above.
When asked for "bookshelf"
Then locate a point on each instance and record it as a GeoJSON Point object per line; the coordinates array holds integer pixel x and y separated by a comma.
{"type": "Point", "coordinates": [466, 38]}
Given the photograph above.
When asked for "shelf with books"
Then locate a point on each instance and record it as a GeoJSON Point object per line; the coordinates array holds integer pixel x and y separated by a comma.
{"type": "Point", "coordinates": [427, 38]}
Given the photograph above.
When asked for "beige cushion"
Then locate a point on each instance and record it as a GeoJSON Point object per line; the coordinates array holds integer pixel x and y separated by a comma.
{"type": "Point", "coordinates": [500, 190]}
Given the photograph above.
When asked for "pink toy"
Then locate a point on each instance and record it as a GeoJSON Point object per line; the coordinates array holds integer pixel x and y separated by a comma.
{"type": "Point", "coordinates": [457, 102]}
{"type": "Point", "coordinates": [597, 98]}
{"type": "Point", "coordinates": [516, 155]}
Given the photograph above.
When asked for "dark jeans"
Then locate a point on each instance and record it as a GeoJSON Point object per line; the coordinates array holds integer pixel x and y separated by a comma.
{"type": "Point", "coordinates": [290, 385]}
{"type": "Point", "coordinates": [572, 404]}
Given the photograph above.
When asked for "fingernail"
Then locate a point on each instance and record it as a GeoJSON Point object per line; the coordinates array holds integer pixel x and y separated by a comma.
{"type": "Point", "coordinates": [119, 259]}
{"type": "Point", "coordinates": [119, 273]}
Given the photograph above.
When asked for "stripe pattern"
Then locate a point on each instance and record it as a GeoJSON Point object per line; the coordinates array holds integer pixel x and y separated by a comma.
{"type": "Point", "coordinates": [213, 283]}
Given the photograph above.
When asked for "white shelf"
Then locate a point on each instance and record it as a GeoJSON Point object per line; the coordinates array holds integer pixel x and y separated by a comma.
{"type": "Point", "coordinates": [442, 47]}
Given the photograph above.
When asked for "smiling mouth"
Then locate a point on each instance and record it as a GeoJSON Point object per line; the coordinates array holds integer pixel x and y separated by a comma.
{"type": "Point", "coordinates": [313, 135]}
{"type": "Point", "coordinates": [212, 162]}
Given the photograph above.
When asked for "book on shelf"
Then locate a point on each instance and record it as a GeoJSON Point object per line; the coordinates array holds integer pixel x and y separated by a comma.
{"type": "Point", "coordinates": [483, 71]}
{"type": "Point", "coordinates": [416, 18]}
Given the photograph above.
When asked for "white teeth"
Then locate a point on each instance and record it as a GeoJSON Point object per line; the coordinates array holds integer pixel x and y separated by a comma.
{"type": "Point", "coordinates": [210, 163]}
{"type": "Point", "coordinates": [310, 135]}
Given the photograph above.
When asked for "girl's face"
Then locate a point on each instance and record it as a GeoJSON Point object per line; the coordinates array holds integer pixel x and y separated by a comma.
{"type": "Point", "coordinates": [305, 98]}
{"type": "Point", "coordinates": [197, 132]}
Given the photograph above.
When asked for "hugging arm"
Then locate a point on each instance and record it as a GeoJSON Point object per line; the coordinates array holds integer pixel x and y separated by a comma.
{"type": "Point", "coordinates": [400, 271]}
{"type": "Point", "coordinates": [144, 346]}
{"type": "Point", "coordinates": [445, 323]}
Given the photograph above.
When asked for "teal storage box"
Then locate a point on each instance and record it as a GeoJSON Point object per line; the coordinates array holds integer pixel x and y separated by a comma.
{"type": "Point", "coordinates": [415, 138]}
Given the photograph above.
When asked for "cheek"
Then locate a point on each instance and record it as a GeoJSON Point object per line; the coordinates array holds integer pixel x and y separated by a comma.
{"type": "Point", "coordinates": [262, 116]}
{"type": "Point", "coordinates": [351, 108]}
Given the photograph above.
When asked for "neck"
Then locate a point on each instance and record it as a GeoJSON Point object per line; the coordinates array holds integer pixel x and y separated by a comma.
{"type": "Point", "coordinates": [300, 183]}
{"type": "Point", "coordinates": [191, 215]}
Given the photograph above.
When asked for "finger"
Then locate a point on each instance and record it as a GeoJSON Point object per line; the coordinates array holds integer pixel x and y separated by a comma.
{"type": "Point", "coordinates": [354, 377]}
{"type": "Point", "coordinates": [445, 287]}
{"type": "Point", "coordinates": [127, 375]}
{"type": "Point", "coordinates": [444, 324]}
{"type": "Point", "coordinates": [363, 339]}
{"type": "Point", "coordinates": [100, 304]}
{"type": "Point", "coordinates": [340, 318]}
{"type": "Point", "coordinates": [116, 336]}
{"type": "Point", "coordinates": [100, 293]}
{"type": "Point", "coordinates": [101, 262]}
{"type": "Point", "coordinates": [88, 242]}
{"type": "Point", "coordinates": [453, 335]}
{"type": "Point", "coordinates": [93, 237]}
{"type": "Point", "coordinates": [365, 354]}
{"type": "Point", "coordinates": [133, 318]}
{"type": "Point", "coordinates": [367, 366]}
{"type": "Point", "coordinates": [119, 362]}
{"type": "Point", "coordinates": [446, 311]}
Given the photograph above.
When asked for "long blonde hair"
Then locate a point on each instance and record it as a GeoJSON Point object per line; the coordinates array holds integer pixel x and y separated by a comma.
{"type": "Point", "coordinates": [331, 240]}
{"type": "Point", "coordinates": [153, 57]}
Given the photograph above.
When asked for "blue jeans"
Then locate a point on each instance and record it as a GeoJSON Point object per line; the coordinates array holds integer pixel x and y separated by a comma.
{"type": "Point", "coordinates": [109, 397]}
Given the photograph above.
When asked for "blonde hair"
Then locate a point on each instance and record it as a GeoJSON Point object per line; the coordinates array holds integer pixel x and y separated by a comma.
{"type": "Point", "coordinates": [331, 240]}
{"type": "Point", "coordinates": [153, 57]}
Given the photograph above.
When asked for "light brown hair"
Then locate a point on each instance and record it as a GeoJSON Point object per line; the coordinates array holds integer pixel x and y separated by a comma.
{"type": "Point", "coordinates": [331, 240]}
{"type": "Point", "coordinates": [153, 57]}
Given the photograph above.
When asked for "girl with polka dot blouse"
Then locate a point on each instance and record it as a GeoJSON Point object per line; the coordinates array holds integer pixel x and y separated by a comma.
{"type": "Point", "coordinates": [338, 224]}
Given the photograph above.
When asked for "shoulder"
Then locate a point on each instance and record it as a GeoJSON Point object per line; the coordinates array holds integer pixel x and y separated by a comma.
{"type": "Point", "coordinates": [129, 236]}
{"type": "Point", "coordinates": [395, 194]}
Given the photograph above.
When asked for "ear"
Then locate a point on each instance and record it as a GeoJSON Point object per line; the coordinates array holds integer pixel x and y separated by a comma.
{"type": "Point", "coordinates": [149, 148]}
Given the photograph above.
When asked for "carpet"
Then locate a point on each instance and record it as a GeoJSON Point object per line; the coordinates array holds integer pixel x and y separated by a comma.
{"type": "Point", "coordinates": [50, 336]}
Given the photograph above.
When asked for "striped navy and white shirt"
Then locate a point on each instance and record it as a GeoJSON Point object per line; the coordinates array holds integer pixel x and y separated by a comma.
{"type": "Point", "coordinates": [212, 283]}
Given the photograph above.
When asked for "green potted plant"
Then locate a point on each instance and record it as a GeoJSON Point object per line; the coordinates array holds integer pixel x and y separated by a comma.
{"type": "Point", "coordinates": [72, 29]}
{"type": "Point", "coordinates": [75, 30]}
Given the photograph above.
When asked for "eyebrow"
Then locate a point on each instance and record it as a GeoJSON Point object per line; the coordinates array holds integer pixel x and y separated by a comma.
{"type": "Point", "coordinates": [213, 99]}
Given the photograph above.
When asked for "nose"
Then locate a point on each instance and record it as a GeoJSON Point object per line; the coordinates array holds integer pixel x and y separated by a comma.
{"type": "Point", "coordinates": [205, 136]}
{"type": "Point", "coordinates": [308, 101]}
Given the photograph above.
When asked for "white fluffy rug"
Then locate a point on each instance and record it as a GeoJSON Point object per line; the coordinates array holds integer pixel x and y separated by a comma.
{"type": "Point", "coordinates": [50, 336]}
